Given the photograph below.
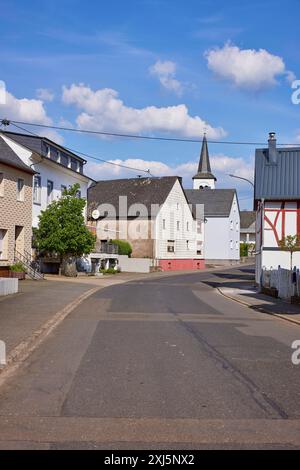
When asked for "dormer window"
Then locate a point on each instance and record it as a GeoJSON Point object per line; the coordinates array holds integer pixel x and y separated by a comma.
{"type": "Point", "coordinates": [64, 159]}
{"type": "Point", "coordinates": [74, 164]}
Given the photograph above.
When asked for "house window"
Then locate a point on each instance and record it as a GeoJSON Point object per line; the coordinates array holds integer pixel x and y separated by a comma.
{"type": "Point", "coordinates": [78, 193]}
{"type": "Point", "coordinates": [199, 227]}
{"type": "Point", "coordinates": [231, 244]}
{"type": "Point", "coordinates": [171, 246]}
{"type": "Point", "coordinates": [164, 224]}
{"type": "Point", "coordinates": [74, 164]}
{"type": "Point", "coordinates": [237, 226]}
{"type": "Point", "coordinates": [3, 244]}
{"type": "Point", "coordinates": [63, 188]}
{"type": "Point", "coordinates": [1, 184]}
{"type": "Point", "coordinates": [178, 225]}
{"type": "Point", "coordinates": [47, 150]}
{"type": "Point", "coordinates": [187, 227]}
{"type": "Point", "coordinates": [20, 189]}
{"type": "Point", "coordinates": [236, 245]}
{"type": "Point", "coordinates": [64, 159]}
{"type": "Point", "coordinates": [54, 154]}
{"type": "Point", "coordinates": [37, 186]}
{"type": "Point", "coordinates": [187, 245]}
{"type": "Point", "coordinates": [231, 225]}
{"type": "Point", "coordinates": [49, 191]}
{"type": "Point", "coordinates": [199, 247]}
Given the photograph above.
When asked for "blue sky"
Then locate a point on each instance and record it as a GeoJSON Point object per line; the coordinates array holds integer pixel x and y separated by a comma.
{"type": "Point", "coordinates": [155, 67]}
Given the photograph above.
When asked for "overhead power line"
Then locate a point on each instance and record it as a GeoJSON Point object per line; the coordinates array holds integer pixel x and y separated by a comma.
{"type": "Point", "coordinates": [7, 122]}
{"type": "Point", "coordinates": [85, 154]}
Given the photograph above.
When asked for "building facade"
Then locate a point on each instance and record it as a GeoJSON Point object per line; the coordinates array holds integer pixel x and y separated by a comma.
{"type": "Point", "coordinates": [55, 168]}
{"type": "Point", "coordinates": [15, 207]}
{"type": "Point", "coordinates": [277, 204]}
{"type": "Point", "coordinates": [152, 214]}
{"type": "Point", "coordinates": [221, 213]}
{"type": "Point", "coordinates": [248, 232]}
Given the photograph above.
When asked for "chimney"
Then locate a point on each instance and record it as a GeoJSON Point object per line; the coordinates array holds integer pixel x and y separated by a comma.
{"type": "Point", "coordinates": [272, 148]}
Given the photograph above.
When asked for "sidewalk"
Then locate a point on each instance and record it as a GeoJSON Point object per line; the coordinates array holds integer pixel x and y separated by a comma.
{"type": "Point", "coordinates": [248, 295]}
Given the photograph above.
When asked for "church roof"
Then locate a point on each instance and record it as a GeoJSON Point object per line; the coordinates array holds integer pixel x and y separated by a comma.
{"type": "Point", "coordinates": [204, 169]}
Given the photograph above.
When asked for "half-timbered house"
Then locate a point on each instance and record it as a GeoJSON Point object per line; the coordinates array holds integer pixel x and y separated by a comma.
{"type": "Point", "coordinates": [277, 204]}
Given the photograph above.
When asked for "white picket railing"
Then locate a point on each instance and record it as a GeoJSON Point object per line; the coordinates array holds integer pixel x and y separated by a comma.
{"type": "Point", "coordinates": [285, 281]}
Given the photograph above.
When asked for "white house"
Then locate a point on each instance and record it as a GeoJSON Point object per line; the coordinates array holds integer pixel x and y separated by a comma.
{"type": "Point", "coordinates": [56, 168]}
{"type": "Point", "coordinates": [248, 231]}
{"type": "Point", "coordinates": [277, 204]}
{"type": "Point", "coordinates": [153, 215]}
{"type": "Point", "coordinates": [221, 212]}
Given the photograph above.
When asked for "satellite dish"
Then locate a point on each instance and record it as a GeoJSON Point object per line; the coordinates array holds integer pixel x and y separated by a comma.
{"type": "Point", "coordinates": [95, 214]}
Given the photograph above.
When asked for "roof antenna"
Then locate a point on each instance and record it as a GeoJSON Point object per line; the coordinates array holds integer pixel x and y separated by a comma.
{"type": "Point", "coordinates": [5, 123]}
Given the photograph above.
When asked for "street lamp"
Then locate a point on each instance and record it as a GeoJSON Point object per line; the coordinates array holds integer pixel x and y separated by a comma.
{"type": "Point", "coordinates": [241, 178]}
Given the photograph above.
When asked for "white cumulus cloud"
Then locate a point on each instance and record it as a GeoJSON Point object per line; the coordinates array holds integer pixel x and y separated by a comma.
{"type": "Point", "coordinates": [165, 72]}
{"type": "Point", "coordinates": [247, 69]}
{"type": "Point", "coordinates": [31, 111]}
{"type": "Point", "coordinates": [102, 110]}
{"type": "Point", "coordinates": [24, 109]}
{"type": "Point", "coordinates": [45, 94]}
{"type": "Point", "coordinates": [221, 166]}
{"type": "Point", "coordinates": [51, 134]}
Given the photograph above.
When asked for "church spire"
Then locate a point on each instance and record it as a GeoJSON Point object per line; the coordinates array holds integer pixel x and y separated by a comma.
{"type": "Point", "coordinates": [204, 177]}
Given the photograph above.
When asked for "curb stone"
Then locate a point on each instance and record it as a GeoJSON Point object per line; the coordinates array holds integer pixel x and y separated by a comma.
{"type": "Point", "coordinates": [259, 309]}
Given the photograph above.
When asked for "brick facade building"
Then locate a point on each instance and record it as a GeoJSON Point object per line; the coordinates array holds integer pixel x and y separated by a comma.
{"type": "Point", "coordinates": [15, 206]}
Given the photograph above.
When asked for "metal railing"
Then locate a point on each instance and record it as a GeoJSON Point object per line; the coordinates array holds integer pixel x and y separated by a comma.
{"type": "Point", "coordinates": [31, 266]}
{"type": "Point", "coordinates": [106, 247]}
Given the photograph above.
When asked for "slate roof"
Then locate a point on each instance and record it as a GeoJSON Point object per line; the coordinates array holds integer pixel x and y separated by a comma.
{"type": "Point", "coordinates": [217, 202]}
{"type": "Point", "coordinates": [10, 158]}
{"type": "Point", "coordinates": [247, 219]}
{"type": "Point", "coordinates": [279, 180]}
{"type": "Point", "coordinates": [147, 191]}
{"type": "Point", "coordinates": [38, 144]}
{"type": "Point", "coordinates": [204, 169]}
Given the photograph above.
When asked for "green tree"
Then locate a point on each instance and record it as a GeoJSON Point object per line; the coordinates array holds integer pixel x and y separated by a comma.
{"type": "Point", "coordinates": [290, 243]}
{"type": "Point", "coordinates": [62, 230]}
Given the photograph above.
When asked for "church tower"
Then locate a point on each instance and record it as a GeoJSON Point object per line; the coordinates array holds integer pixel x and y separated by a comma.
{"type": "Point", "coordinates": [204, 177]}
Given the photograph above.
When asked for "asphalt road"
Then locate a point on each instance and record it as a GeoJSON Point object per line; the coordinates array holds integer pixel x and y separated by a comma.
{"type": "Point", "coordinates": [163, 362]}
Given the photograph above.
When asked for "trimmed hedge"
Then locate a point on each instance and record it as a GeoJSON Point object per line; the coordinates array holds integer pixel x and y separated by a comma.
{"type": "Point", "coordinates": [124, 247]}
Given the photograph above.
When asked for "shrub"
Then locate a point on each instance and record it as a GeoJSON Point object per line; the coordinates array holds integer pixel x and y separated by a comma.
{"type": "Point", "coordinates": [108, 271]}
{"type": "Point", "coordinates": [17, 268]}
{"type": "Point", "coordinates": [124, 247]}
{"type": "Point", "coordinates": [244, 247]}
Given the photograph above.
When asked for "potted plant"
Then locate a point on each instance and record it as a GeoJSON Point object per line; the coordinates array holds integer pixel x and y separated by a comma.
{"type": "Point", "coordinates": [17, 270]}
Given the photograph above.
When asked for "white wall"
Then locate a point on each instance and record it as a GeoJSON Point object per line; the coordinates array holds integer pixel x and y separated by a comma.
{"type": "Point", "coordinates": [234, 231]}
{"type": "Point", "coordinates": [222, 236]}
{"type": "Point", "coordinates": [269, 256]}
{"type": "Point", "coordinates": [8, 286]}
{"type": "Point", "coordinates": [176, 209]}
{"type": "Point", "coordinates": [202, 183]}
{"type": "Point", "coordinates": [134, 265]}
{"type": "Point", "coordinates": [48, 170]}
